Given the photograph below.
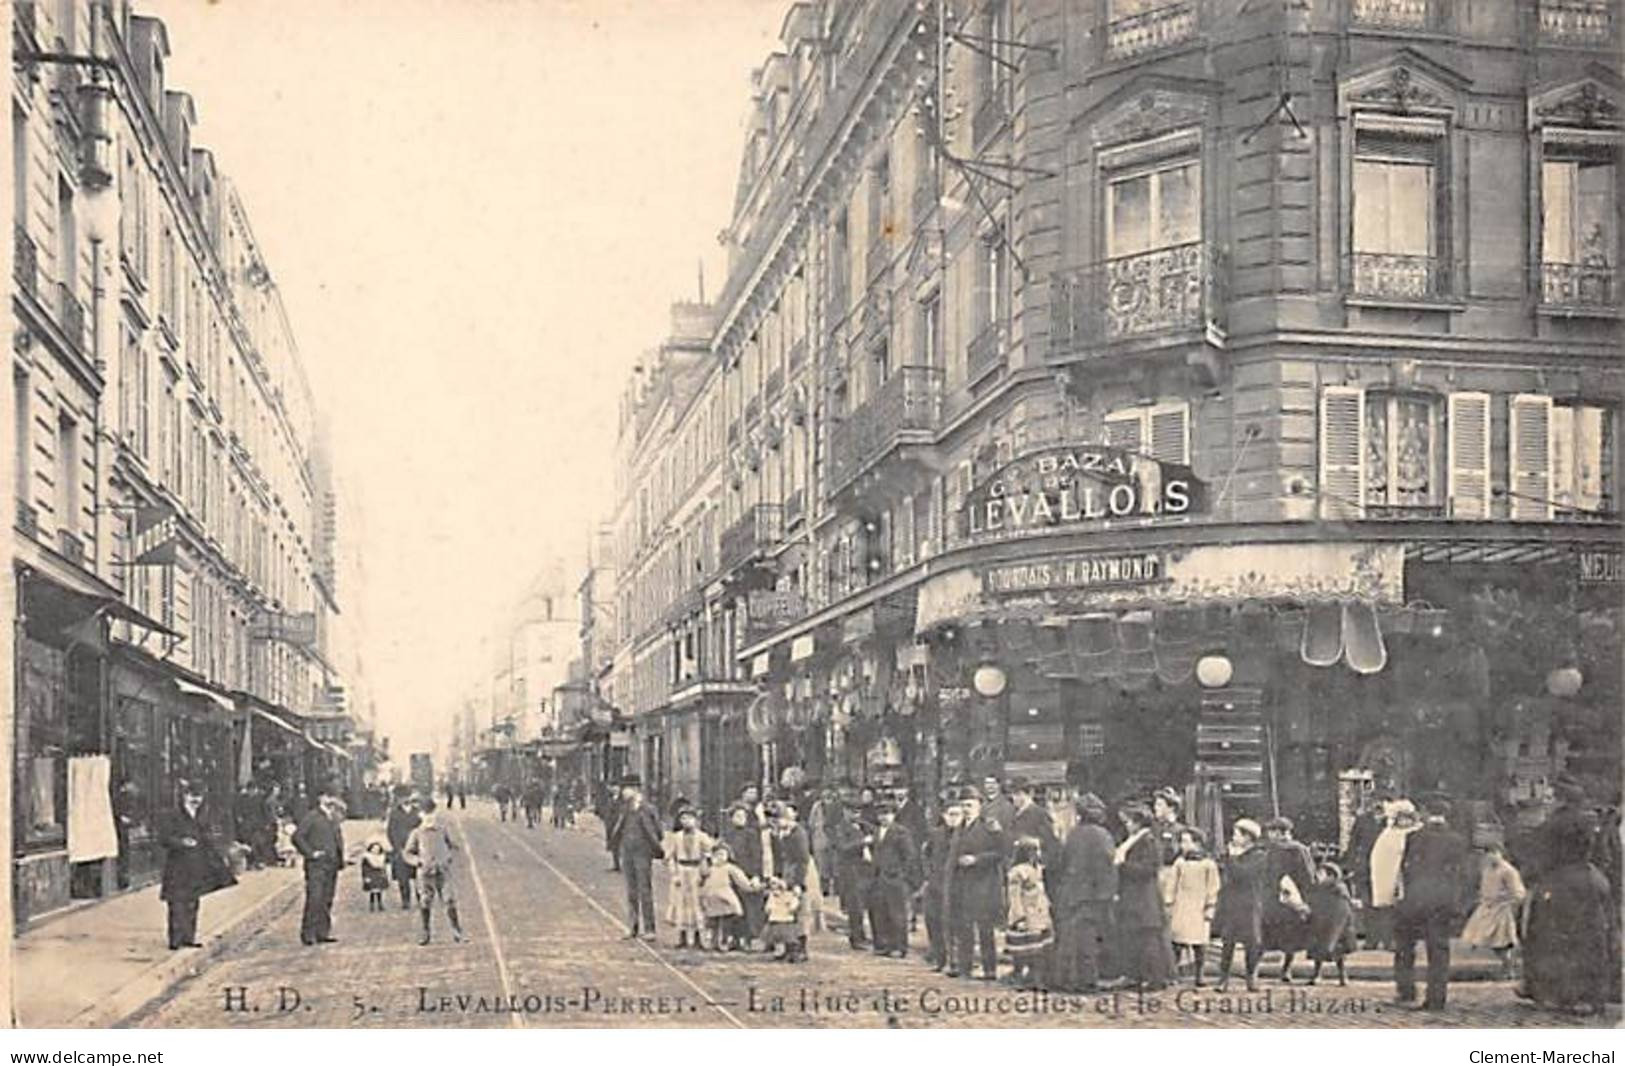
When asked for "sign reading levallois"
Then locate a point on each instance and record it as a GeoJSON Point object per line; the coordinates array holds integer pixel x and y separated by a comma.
{"type": "Point", "coordinates": [1078, 485]}
{"type": "Point", "coordinates": [1076, 572]}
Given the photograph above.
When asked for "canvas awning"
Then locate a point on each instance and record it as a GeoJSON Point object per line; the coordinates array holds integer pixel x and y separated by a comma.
{"type": "Point", "coordinates": [219, 699]}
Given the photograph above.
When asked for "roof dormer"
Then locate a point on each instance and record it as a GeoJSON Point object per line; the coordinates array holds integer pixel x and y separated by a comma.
{"type": "Point", "coordinates": [180, 115]}
{"type": "Point", "coordinates": [149, 47]}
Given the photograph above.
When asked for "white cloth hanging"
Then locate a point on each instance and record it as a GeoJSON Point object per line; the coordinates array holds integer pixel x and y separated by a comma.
{"type": "Point", "coordinates": [91, 833]}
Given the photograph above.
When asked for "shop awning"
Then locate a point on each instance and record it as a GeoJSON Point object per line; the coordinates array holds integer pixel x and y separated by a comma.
{"type": "Point", "coordinates": [219, 699]}
{"type": "Point", "coordinates": [266, 716]}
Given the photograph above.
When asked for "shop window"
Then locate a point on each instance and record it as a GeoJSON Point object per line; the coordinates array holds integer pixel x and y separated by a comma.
{"type": "Point", "coordinates": [41, 786]}
{"type": "Point", "coordinates": [1579, 224]}
{"type": "Point", "coordinates": [1401, 455]}
{"type": "Point", "coordinates": [133, 763]}
{"type": "Point", "coordinates": [1398, 212]}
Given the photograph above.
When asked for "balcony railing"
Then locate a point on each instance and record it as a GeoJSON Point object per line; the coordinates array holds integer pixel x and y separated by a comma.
{"type": "Point", "coordinates": [1398, 277]}
{"type": "Point", "coordinates": [733, 433]}
{"type": "Point", "coordinates": [909, 403]}
{"type": "Point", "coordinates": [1146, 31]}
{"type": "Point", "coordinates": [1582, 22]}
{"type": "Point", "coordinates": [70, 547]}
{"type": "Point", "coordinates": [761, 527]}
{"type": "Point", "coordinates": [70, 315]}
{"type": "Point", "coordinates": [1397, 14]}
{"type": "Point", "coordinates": [25, 267]}
{"type": "Point", "coordinates": [24, 26]}
{"type": "Point", "coordinates": [798, 355]}
{"type": "Point", "coordinates": [795, 507]}
{"type": "Point", "coordinates": [775, 382]}
{"type": "Point", "coordinates": [880, 252]}
{"type": "Point", "coordinates": [27, 519]}
{"type": "Point", "coordinates": [990, 117]}
{"type": "Point", "coordinates": [753, 409]}
{"type": "Point", "coordinates": [1161, 291]}
{"type": "Point", "coordinates": [985, 353]}
{"type": "Point", "coordinates": [1576, 285]}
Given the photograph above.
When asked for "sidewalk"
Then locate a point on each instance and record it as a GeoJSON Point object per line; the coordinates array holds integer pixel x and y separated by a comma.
{"type": "Point", "coordinates": [97, 965]}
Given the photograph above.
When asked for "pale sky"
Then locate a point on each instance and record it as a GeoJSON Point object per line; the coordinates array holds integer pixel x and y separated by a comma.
{"type": "Point", "coordinates": [478, 212]}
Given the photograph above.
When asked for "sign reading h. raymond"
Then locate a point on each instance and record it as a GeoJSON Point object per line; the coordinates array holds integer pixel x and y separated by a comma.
{"type": "Point", "coordinates": [1078, 485]}
{"type": "Point", "coordinates": [1076, 572]}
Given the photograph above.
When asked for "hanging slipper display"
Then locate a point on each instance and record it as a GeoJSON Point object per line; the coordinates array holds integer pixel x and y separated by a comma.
{"type": "Point", "coordinates": [1252, 638]}
{"type": "Point", "coordinates": [1137, 658]}
{"type": "Point", "coordinates": [1289, 624]}
{"type": "Point", "coordinates": [1177, 633]}
{"type": "Point", "coordinates": [1094, 646]}
{"type": "Point", "coordinates": [1363, 648]}
{"type": "Point", "coordinates": [1323, 635]}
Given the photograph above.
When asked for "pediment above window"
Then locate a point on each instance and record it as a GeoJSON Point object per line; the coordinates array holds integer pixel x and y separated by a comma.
{"type": "Point", "coordinates": [1589, 103]}
{"type": "Point", "coordinates": [1148, 113]}
{"type": "Point", "coordinates": [1409, 83]}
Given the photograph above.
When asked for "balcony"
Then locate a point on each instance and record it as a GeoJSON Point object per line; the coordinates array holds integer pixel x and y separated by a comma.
{"type": "Point", "coordinates": [1166, 290]}
{"type": "Point", "coordinates": [1576, 285]}
{"type": "Point", "coordinates": [991, 116]}
{"type": "Point", "coordinates": [986, 353]}
{"type": "Point", "coordinates": [1147, 31]}
{"type": "Point", "coordinates": [25, 265]}
{"type": "Point", "coordinates": [798, 355]}
{"type": "Point", "coordinates": [1397, 277]}
{"type": "Point", "coordinates": [27, 519]}
{"type": "Point", "coordinates": [760, 528]}
{"type": "Point", "coordinates": [1398, 14]}
{"type": "Point", "coordinates": [1587, 23]}
{"type": "Point", "coordinates": [795, 508]}
{"type": "Point", "coordinates": [906, 410]}
{"type": "Point", "coordinates": [70, 547]}
{"type": "Point", "coordinates": [70, 315]}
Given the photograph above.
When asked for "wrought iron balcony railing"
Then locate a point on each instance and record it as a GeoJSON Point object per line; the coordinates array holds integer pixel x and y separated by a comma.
{"type": "Point", "coordinates": [1582, 22]}
{"type": "Point", "coordinates": [1576, 285]}
{"type": "Point", "coordinates": [1398, 14]}
{"type": "Point", "coordinates": [1147, 31]}
{"type": "Point", "coordinates": [798, 355]}
{"type": "Point", "coordinates": [27, 519]}
{"type": "Point", "coordinates": [71, 547]}
{"type": "Point", "coordinates": [1166, 290]}
{"type": "Point", "coordinates": [908, 405]}
{"type": "Point", "coordinates": [1398, 277]}
{"type": "Point", "coordinates": [985, 352]}
{"type": "Point", "coordinates": [795, 507]}
{"type": "Point", "coordinates": [70, 315]}
{"type": "Point", "coordinates": [25, 265]}
{"type": "Point", "coordinates": [760, 527]}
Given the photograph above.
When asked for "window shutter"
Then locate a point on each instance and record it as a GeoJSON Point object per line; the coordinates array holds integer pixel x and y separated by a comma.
{"type": "Point", "coordinates": [1530, 445]}
{"type": "Point", "coordinates": [1124, 429]}
{"type": "Point", "coordinates": [1342, 445]}
{"type": "Point", "coordinates": [1469, 481]}
{"type": "Point", "coordinates": [1171, 433]}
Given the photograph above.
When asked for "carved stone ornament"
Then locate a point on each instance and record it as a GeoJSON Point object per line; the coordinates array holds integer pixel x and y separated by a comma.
{"type": "Point", "coordinates": [1148, 114]}
{"type": "Point", "coordinates": [1399, 88]}
{"type": "Point", "coordinates": [1586, 104]}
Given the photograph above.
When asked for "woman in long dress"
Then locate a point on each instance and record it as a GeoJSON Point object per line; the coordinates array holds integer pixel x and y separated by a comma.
{"type": "Point", "coordinates": [686, 849]}
{"type": "Point", "coordinates": [1494, 922]}
{"type": "Point", "coordinates": [1386, 855]}
{"type": "Point", "coordinates": [1570, 946]}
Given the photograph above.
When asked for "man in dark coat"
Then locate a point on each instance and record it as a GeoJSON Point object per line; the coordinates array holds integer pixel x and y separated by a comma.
{"type": "Point", "coordinates": [854, 841]}
{"type": "Point", "coordinates": [246, 812]}
{"type": "Point", "coordinates": [320, 840]}
{"type": "Point", "coordinates": [1286, 926]}
{"type": "Point", "coordinates": [938, 875]}
{"type": "Point", "coordinates": [996, 803]}
{"type": "Point", "coordinates": [897, 875]}
{"type": "Point", "coordinates": [1356, 858]}
{"type": "Point", "coordinates": [1085, 884]}
{"type": "Point", "coordinates": [636, 840]}
{"type": "Point", "coordinates": [403, 818]}
{"type": "Point", "coordinates": [1438, 880]}
{"type": "Point", "coordinates": [192, 867]}
{"type": "Point", "coordinates": [1032, 822]}
{"type": "Point", "coordinates": [911, 815]}
{"type": "Point", "coordinates": [976, 898]}
{"type": "Point", "coordinates": [609, 812]}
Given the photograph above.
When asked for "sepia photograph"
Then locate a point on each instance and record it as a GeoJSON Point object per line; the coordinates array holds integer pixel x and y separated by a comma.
{"type": "Point", "coordinates": [814, 514]}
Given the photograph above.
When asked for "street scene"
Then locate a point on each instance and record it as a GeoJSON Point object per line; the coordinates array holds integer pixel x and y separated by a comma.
{"type": "Point", "coordinates": [819, 514]}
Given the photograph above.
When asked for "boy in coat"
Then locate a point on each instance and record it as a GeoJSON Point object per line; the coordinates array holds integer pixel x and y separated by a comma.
{"type": "Point", "coordinates": [192, 868]}
{"type": "Point", "coordinates": [636, 841]}
{"type": "Point", "coordinates": [854, 840]}
{"type": "Point", "coordinates": [1286, 927]}
{"type": "Point", "coordinates": [897, 874]}
{"type": "Point", "coordinates": [432, 852]}
{"type": "Point", "coordinates": [976, 899]}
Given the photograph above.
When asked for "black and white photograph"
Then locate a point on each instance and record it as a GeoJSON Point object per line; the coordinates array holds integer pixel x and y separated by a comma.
{"type": "Point", "coordinates": [814, 514]}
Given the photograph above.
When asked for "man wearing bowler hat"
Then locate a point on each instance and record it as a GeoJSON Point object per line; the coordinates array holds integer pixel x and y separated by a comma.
{"type": "Point", "coordinates": [636, 842]}
{"type": "Point", "coordinates": [192, 867]}
{"type": "Point", "coordinates": [320, 840]}
{"type": "Point", "coordinates": [976, 898]}
{"type": "Point", "coordinates": [897, 875]}
{"type": "Point", "coordinates": [1437, 880]}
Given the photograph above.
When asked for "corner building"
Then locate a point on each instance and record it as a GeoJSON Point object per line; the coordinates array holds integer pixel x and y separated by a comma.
{"type": "Point", "coordinates": [1214, 394]}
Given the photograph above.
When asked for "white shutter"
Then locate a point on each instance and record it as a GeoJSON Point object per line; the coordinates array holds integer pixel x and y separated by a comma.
{"type": "Point", "coordinates": [1530, 457]}
{"type": "Point", "coordinates": [1171, 433]}
{"type": "Point", "coordinates": [1469, 479]}
{"type": "Point", "coordinates": [1563, 457]}
{"type": "Point", "coordinates": [1126, 429]}
{"type": "Point", "coordinates": [1342, 449]}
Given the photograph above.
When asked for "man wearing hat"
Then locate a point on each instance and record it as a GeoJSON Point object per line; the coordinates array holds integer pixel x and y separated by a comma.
{"type": "Point", "coordinates": [1438, 880]}
{"type": "Point", "coordinates": [897, 875]}
{"type": "Point", "coordinates": [854, 853]}
{"type": "Point", "coordinates": [192, 867]}
{"type": "Point", "coordinates": [1085, 883]}
{"type": "Point", "coordinates": [320, 840]}
{"type": "Point", "coordinates": [403, 818]}
{"type": "Point", "coordinates": [1286, 916]}
{"type": "Point", "coordinates": [976, 899]}
{"type": "Point", "coordinates": [938, 876]}
{"type": "Point", "coordinates": [636, 842]}
{"type": "Point", "coordinates": [1029, 821]}
{"type": "Point", "coordinates": [996, 803]}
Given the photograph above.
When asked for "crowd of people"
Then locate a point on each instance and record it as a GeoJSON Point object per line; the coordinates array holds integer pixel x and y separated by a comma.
{"type": "Point", "coordinates": [1077, 896]}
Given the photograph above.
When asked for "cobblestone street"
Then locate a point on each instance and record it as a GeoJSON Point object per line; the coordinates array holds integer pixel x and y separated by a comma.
{"type": "Point", "coordinates": [544, 914]}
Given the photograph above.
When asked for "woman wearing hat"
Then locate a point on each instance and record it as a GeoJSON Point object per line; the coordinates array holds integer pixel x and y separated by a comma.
{"type": "Point", "coordinates": [1141, 920]}
{"type": "Point", "coordinates": [1085, 884]}
{"type": "Point", "coordinates": [1238, 918]}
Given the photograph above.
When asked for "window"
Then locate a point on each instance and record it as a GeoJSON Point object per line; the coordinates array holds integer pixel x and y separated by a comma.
{"type": "Point", "coordinates": [1401, 453]}
{"type": "Point", "coordinates": [1583, 460]}
{"type": "Point", "coordinates": [68, 473]}
{"type": "Point", "coordinates": [1529, 457]}
{"type": "Point", "coordinates": [167, 278]}
{"type": "Point", "coordinates": [1397, 216]}
{"type": "Point", "coordinates": [42, 736]}
{"type": "Point", "coordinates": [23, 439]}
{"type": "Point", "coordinates": [1154, 209]}
{"type": "Point", "coordinates": [133, 756]}
{"type": "Point", "coordinates": [1160, 431]}
{"type": "Point", "coordinates": [930, 346]}
{"type": "Point", "coordinates": [1579, 225]}
{"type": "Point", "coordinates": [1468, 419]}
{"type": "Point", "coordinates": [1382, 454]}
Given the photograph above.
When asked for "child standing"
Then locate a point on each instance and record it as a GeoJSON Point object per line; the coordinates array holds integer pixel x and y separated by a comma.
{"type": "Point", "coordinates": [686, 849]}
{"type": "Point", "coordinates": [1193, 896]}
{"type": "Point", "coordinates": [720, 901]}
{"type": "Point", "coordinates": [430, 849]}
{"type": "Point", "coordinates": [1030, 930]}
{"type": "Point", "coordinates": [782, 933]}
{"type": "Point", "coordinates": [375, 873]}
{"type": "Point", "coordinates": [1331, 922]}
{"type": "Point", "coordinates": [1494, 922]}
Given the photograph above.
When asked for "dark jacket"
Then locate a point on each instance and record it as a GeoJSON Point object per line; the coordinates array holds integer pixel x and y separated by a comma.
{"type": "Point", "coordinates": [911, 816]}
{"type": "Point", "coordinates": [1085, 873]}
{"type": "Point", "coordinates": [190, 870]}
{"type": "Point", "coordinates": [790, 854]}
{"type": "Point", "coordinates": [934, 860]}
{"type": "Point", "coordinates": [977, 890]}
{"type": "Point", "coordinates": [1284, 927]}
{"type": "Point", "coordinates": [637, 834]}
{"type": "Point", "coordinates": [854, 872]}
{"type": "Point", "coordinates": [746, 844]}
{"type": "Point", "coordinates": [398, 827]}
{"type": "Point", "coordinates": [320, 840]}
{"type": "Point", "coordinates": [1036, 823]}
{"type": "Point", "coordinates": [897, 860]}
{"type": "Point", "coordinates": [1139, 902]}
{"type": "Point", "coordinates": [1239, 914]}
{"type": "Point", "coordinates": [1437, 875]}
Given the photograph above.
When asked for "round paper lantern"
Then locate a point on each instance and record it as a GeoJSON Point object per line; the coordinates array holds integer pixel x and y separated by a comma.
{"type": "Point", "coordinates": [1214, 671]}
{"type": "Point", "coordinates": [989, 680]}
{"type": "Point", "coordinates": [1564, 682]}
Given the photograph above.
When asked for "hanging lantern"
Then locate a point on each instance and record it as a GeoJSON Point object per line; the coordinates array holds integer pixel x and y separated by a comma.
{"type": "Point", "coordinates": [1214, 671]}
{"type": "Point", "coordinates": [1564, 682]}
{"type": "Point", "coordinates": [989, 680]}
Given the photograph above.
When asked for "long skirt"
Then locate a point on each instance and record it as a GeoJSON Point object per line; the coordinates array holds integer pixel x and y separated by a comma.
{"type": "Point", "coordinates": [683, 910]}
{"type": "Point", "coordinates": [1147, 955]}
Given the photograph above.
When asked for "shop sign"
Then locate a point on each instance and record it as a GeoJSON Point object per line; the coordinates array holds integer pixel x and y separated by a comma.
{"type": "Point", "coordinates": [297, 629]}
{"type": "Point", "coordinates": [859, 626]}
{"type": "Point", "coordinates": [770, 609]}
{"type": "Point", "coordinates": [1078, 571]}
{"type": "Point", "coordinates": [1078, 485]}
{"type": "Point", "coordinates": [1602, 567]}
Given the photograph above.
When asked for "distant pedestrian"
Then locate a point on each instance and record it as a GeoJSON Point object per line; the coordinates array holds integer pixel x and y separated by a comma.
{"type": "Point", "coordinates": [1031, 930]}
{"type": "Point", "coordinates": [794, 866]}
{"type": "Point", "coordinates": [320, 841]}
{"type": "Point", "coordinates": [636, 840]}
{"type": "Point", "coordinates": [192, 866]}
{"type": "Point", "coordinates": [432, 851]}
{"type": "Point", "coordinates": [462, 798]}
{"type": "Point", "coordinates": [976, 896]}
{"type": "Point", "coordinates": [1193, 896]}
{"type": "Point", "coordinates": [1436, 882]}
{"type": "Point", "coordinates": [403, 818]}
{"type": "Point", "coordinates": [501, 794]}
{"type": "Point", "coordinates": [896, 875]}
{"type": "Point", "coordinates": [934, 892]}
{"type": "Point", "coordinates": [744, 836]}
{"type": "Point", "coordinates": [1383, 864]}
{"type": "Point", "coordinates": [375, 873]}
{"type": "Point", "coordinates": [1331, 922]}
{"type": "Point", "coordinates": [1494, 922]}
